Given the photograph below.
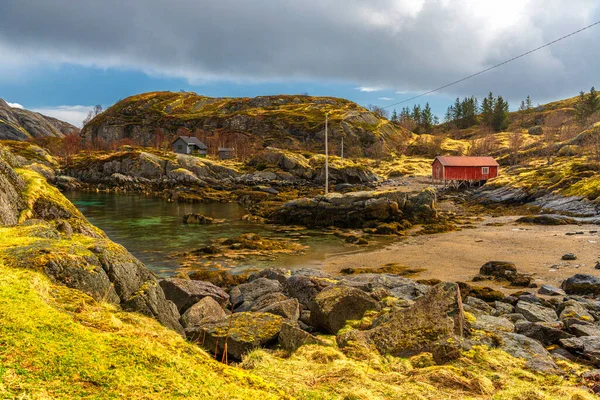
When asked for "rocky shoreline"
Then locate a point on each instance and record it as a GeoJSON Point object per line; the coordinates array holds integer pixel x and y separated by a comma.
{"type": "Point", "coordinates": [580, 208]}
{"type": "Point", "coordinates": [279, 308]}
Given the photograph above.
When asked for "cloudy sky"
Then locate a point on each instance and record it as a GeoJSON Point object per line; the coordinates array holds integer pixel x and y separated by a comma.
{"type": "Point", "coordinates": [61, 56]}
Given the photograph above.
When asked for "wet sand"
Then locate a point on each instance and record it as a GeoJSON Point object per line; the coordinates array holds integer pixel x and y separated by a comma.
{"type": "Point", "coordinates": [457, 256]}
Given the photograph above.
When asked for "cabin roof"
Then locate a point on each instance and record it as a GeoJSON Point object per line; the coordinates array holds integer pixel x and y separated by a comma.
{"type": "Point", "coordinates": [456, 161]}
{"type": "Point", "coordinates": [192, 141]}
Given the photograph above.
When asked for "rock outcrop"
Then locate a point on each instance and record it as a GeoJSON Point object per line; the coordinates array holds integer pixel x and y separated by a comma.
{"type": "Point", "coordinates": [359, 209]}
{"type": "Point", "coordinates": [582, 284]}
{"type": "Point", "coordinates": [20, 124]}
{"type": "Point", "coordinates": [185, 293]}
{"type": "Point", "coordinates": [239, 333]}
{"type": "Point", "coordinates": [335, 305]}
{"type": "Point", "coordinates": [53, 237]}
{"type": "Point", "coordinates": [280, 162]}
{"type": "Point", "coordinates": [435, 316]}
{"type": "Point", "coordinates": [291, 122]}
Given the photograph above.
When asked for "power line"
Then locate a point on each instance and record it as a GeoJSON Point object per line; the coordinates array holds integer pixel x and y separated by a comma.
{"type": "Point", "coordinates": [496, 66]}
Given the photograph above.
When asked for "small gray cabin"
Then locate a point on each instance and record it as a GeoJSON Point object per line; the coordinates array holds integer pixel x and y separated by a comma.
{"type": "Point", "coordinates": [189, 145]}
{"type": "Point", "coordinates": [226, 153]}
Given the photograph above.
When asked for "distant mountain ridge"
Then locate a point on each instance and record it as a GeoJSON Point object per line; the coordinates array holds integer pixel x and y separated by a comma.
{"type": "Point", "coordinates": [20, 124]}
{"type": "Point", "coordinates": [285, 121]}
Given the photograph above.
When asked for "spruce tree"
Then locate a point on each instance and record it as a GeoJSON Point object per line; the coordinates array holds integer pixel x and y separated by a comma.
{"type": "Point", "coordinates": [487, 110]}
{"type": "Point", "coordinates": [416, 117]}
{"type": "Point", "coordinates": [426, 119]}
{"type": "Point", "coordinates": [394, 116]}
{"type": "Point", "coordinates": [528, 103]}
{"type": "Point", "coordinates": [592, 102]}
{"type": "Point", "coordinates": [580, 108]}
{"type": "Point", "coordinates": [500, 115]}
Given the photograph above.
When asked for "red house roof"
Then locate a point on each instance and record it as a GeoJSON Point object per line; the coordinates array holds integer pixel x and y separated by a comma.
{"type": "Point", "coordinates": [455, 161]}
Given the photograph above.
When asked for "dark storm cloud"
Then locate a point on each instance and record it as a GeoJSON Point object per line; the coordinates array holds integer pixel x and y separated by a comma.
{"type": "Point", "coordinates": [397, 44]}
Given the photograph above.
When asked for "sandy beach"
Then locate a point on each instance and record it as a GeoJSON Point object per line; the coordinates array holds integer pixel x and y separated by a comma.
{"type": "Point", "coordinates": [457, 256]}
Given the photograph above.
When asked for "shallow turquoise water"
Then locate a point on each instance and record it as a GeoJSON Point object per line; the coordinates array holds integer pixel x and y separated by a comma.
{"type": "Point", "coordinates": [152, 230]}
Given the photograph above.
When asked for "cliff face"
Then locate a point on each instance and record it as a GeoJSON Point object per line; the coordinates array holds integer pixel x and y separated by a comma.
{"type": "Point", "coordinates": [291, 122]}
{"type": "Point", "coordinates": [19, 124]}
{"type": "Point", "coordinates": [41, 230]}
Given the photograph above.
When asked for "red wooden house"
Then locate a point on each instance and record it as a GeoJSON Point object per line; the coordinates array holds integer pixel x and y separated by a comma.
{"type": "Point", "coordinates": [458, 170]}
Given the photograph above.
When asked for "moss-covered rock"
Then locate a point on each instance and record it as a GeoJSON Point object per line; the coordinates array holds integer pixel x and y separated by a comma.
{"type": "Point", "coordinates": [239, 333]}
{"type": "Point", "coordinates": [360, 210]}
{"type": "Point", "coordinates": [409, 331]}
{"type": "Point", "coordinates": [284, 121]}
{"type": "Point", "coordinates": [335, 305]}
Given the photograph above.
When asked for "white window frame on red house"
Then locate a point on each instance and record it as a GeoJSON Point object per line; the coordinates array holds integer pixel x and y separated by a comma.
{"type": "Point", "coordinates": [485, 170]}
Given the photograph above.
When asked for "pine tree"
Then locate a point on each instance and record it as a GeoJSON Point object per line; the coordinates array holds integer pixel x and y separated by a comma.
{"type": "Point", "coordinates": [592, 102]}
{"type": "Point", "coordinates": [500, 115]}
{"type": "Point", "coordinates": [487, 110]}
{"type": "Point", "coordinates": [416, 117]}
{"type": "Point", "coordinates": [587, 106]}
{"type": "Point", "coordinates": [426, 119]}
{"type": "Point", "coordinates": [394, 116]}
{"type": "Point", "coordinates": [580, 108]}
{"type": "Point", "coordinates": [528, 103]}
{"type": "Point", "coordinates": [457, 111]}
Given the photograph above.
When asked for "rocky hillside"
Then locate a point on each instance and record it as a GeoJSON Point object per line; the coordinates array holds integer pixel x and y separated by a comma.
{"type": "Point", "coordinates": [19, 124]}
{"type": "Point", "coordinates": [42, 231]}
{"type": "Point", "coordinates": [291, 122]}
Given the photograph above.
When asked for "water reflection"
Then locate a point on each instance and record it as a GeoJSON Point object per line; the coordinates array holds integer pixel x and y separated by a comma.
{"type": "Point", "coordinates": [152, 230]}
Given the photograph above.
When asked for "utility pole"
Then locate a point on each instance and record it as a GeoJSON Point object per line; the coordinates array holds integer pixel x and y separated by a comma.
{"type": "Point", "coordinates": [342, 147]}
{"type": "Point", "coordinates": [326, 157]}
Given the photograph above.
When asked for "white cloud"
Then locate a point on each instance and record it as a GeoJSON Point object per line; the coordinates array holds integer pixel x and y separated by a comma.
{"type": "Point", "coordinates": [71, 114]}
{"type": "Point", "coordinates": [14, 105]}
{"type": "Point", "coordinates": [415, 45]}
{"type": "Point", "coordinates": [386, 98]}
{"type": "Point", "coordinates": [369, 89]}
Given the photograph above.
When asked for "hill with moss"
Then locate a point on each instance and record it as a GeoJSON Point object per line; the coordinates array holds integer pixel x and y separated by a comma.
{"type": "Point", "coordinates": [20, 124]}
{"type": "Point", "coordinates": [286, 121]}
{"type": "Point", "coordinates": [65, 329]}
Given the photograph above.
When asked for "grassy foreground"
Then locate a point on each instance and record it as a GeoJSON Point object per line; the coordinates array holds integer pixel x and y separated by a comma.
{"type": "Point", "coordinates": [56, 342]}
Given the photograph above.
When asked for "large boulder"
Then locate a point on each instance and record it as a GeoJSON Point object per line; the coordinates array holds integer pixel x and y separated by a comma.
{"type": "Point", "coordinates": [359, 209]}
{"type": "Point", "coordinates": [538, 358]}
{"type": "Point", "coordinates": [288, 309]}
{"type": "Point", "coordinates": [548, 333]}
{"type": "Point", "coordinates": [306, 288]}
{"type": "Point", "coordinates": [203, 312]}
{"type": "Point", "coordinates": [185, 293]}
{"type": "Point", "coordinates": [244, 296]}
{"type": "Point", "coordinates": [572, 309]}
{"type": "Point", "coordinates": [489, 323]}
{"type": "Point", "coordinates": [291, 337]}
{"type": "Point", "coordinates": [506, 271]}
{"type": "Point", "coordinates": [536, 313]}
{"type": "Point", "coordinates": [582, 284]}
{"type": "Point", "coordinates": [337, 304]}
{"type": "Point", "coordinates": [498, 269]}
{"type": "Point", "coordinates": [586, 346]}
{"type": "Point", "coordinates": [239, 333]}
{"type": "Point", "coordinates": [434, 316]}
